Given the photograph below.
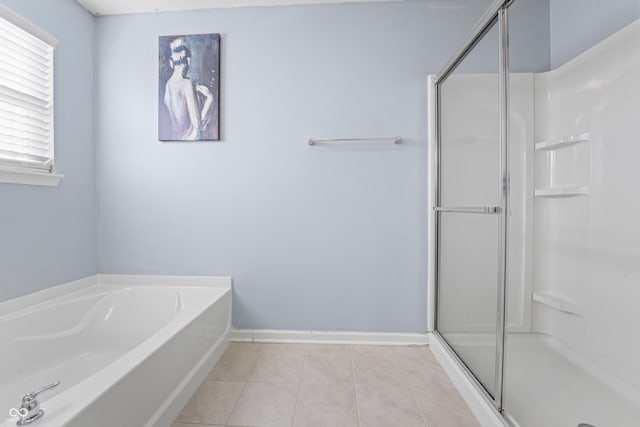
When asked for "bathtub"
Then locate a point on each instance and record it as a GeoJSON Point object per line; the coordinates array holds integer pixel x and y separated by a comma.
{"type": "Point", "coordinates": [127, 350]}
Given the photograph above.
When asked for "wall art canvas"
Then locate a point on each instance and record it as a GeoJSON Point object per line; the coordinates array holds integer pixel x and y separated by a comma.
{"type": "Point", "coordinates": [189, 88]}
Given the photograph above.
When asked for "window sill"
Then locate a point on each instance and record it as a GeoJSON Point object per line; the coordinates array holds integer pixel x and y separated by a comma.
{"type": "Point", "coordinates": [19, 176]}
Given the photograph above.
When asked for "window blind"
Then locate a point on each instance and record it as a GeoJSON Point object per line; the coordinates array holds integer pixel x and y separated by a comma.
{"type": "Point", "coordinates": [26, 99]}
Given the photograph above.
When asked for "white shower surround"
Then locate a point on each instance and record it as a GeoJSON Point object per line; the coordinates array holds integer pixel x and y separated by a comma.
{"type": "Point", "coordinates": [586, 246]}
{"type": "Point", "coordinates": [583, 294]}
{"type": "Point", "coordinates": [128, 350]}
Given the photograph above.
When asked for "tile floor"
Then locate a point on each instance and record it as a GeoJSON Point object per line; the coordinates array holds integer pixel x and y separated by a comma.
{"type": "Point", "coordinates": [326, 385]}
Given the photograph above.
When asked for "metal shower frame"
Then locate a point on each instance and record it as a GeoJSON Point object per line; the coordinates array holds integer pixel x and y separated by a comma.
{"type": "Point", "coordinates": [496, 14]}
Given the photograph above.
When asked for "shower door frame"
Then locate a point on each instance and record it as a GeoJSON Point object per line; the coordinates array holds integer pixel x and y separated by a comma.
{"type": "Point", "coordinates": [496, 14]}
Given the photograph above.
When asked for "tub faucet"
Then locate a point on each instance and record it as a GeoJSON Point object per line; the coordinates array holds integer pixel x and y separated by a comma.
{"type": "Point", "coordinates": [31, 407]}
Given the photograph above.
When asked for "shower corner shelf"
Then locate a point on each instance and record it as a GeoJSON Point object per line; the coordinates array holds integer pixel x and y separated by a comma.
{"type": "Point", "coordinates": [558, 302]}
{"type": "Point", "coordinates": [563, 141]}
{"type": "Point", "coordinates": [561, 191]}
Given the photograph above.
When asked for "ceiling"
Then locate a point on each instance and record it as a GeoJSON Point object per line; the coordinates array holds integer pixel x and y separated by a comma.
{"type": "Point", "coordinates": [114, 7]}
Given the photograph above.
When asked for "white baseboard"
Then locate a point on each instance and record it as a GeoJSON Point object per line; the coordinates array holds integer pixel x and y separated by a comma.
{"type": "Point", "coordinates": [485, 412]}
{"type": "Point", "coordinates": [327, 337]}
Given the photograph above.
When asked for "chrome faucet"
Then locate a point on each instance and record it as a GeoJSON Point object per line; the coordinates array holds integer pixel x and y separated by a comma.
{"type": "Point", "coordinates": [31, 407]}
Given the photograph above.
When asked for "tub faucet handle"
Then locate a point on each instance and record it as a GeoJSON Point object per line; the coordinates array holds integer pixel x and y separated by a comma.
{"type": "Point", "coordinates": [30, 397]}
{"type": "Point", "coordinates": [31, 407]}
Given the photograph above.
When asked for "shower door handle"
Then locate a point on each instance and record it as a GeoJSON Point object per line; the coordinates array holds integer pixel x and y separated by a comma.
{"type": "Point", "coordinates": [474, 210]}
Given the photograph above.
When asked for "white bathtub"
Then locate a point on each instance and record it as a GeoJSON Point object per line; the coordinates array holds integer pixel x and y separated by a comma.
{"type": "Point", "coordinates": [128, 350]}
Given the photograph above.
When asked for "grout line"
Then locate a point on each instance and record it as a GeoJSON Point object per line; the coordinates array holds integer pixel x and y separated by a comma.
{"type": "Point", "coordinates": [266, 382]}
{"type": "Point", "coordinates": [355, 391]}
{"type": "Point", "coordinates": [304, 365]}
{"type": "Point", "coordinates": [235, 405]}
{"type": "Point", "coordinates": [198, 423]}
{"type": "Point", "coordinates": [415, 399]}
{"type": "Point", "coordinates": [406, 378]}
{"type": "Point", "coordinates": [226, 421]}
{"type": "Point", "coordinates": [404, 371]}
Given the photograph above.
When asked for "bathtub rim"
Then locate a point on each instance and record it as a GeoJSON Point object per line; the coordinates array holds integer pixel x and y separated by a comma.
{"type": "Point", "coordinates": [44, 296]}
{"type": "Point", "coordinates": [125, 364]}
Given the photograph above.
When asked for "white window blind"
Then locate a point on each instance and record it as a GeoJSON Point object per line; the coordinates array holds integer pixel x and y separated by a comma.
{"type": "Point", "coordinates": [26, 96]}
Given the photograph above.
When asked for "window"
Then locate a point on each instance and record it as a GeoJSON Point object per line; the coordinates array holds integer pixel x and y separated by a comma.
{"type": "Point", "coordinates": [26, 102]}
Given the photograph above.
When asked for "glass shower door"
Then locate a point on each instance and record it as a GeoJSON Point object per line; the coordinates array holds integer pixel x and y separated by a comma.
{"type": "Point", "coordinates": [468, 210]}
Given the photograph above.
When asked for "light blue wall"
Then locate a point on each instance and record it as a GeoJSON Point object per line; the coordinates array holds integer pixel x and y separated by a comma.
{"type": "Point", "coordinates": [576, 25]}
{"type": "Point", "coordinates": [528, 22]}
{"type": "Point", "coordinates": [326, 237]}
{"type": "Point", "coordinates": [529, 36]}
{"type": "Point", "coordinates": [48, 235]}
{"type": "Point", "coordinates": [331, 237]}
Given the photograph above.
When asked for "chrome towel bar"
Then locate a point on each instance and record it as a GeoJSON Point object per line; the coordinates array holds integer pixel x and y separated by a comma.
{"type": "Point", "coordinates": [394, 139]}
{"type": "Point", "coordinates": [474, 210]}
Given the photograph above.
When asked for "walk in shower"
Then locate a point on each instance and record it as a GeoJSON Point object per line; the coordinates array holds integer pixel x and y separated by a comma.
{"type": "Point", "coordinates": [536, 211]}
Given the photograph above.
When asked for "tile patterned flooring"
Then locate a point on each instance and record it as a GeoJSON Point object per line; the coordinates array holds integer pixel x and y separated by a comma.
{"type": "Point", "coordinates": [313, 385]}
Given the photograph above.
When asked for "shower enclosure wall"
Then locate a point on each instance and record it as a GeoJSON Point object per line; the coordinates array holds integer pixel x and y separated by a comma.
{"type": "Point", "coordinates": [536, 218]}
